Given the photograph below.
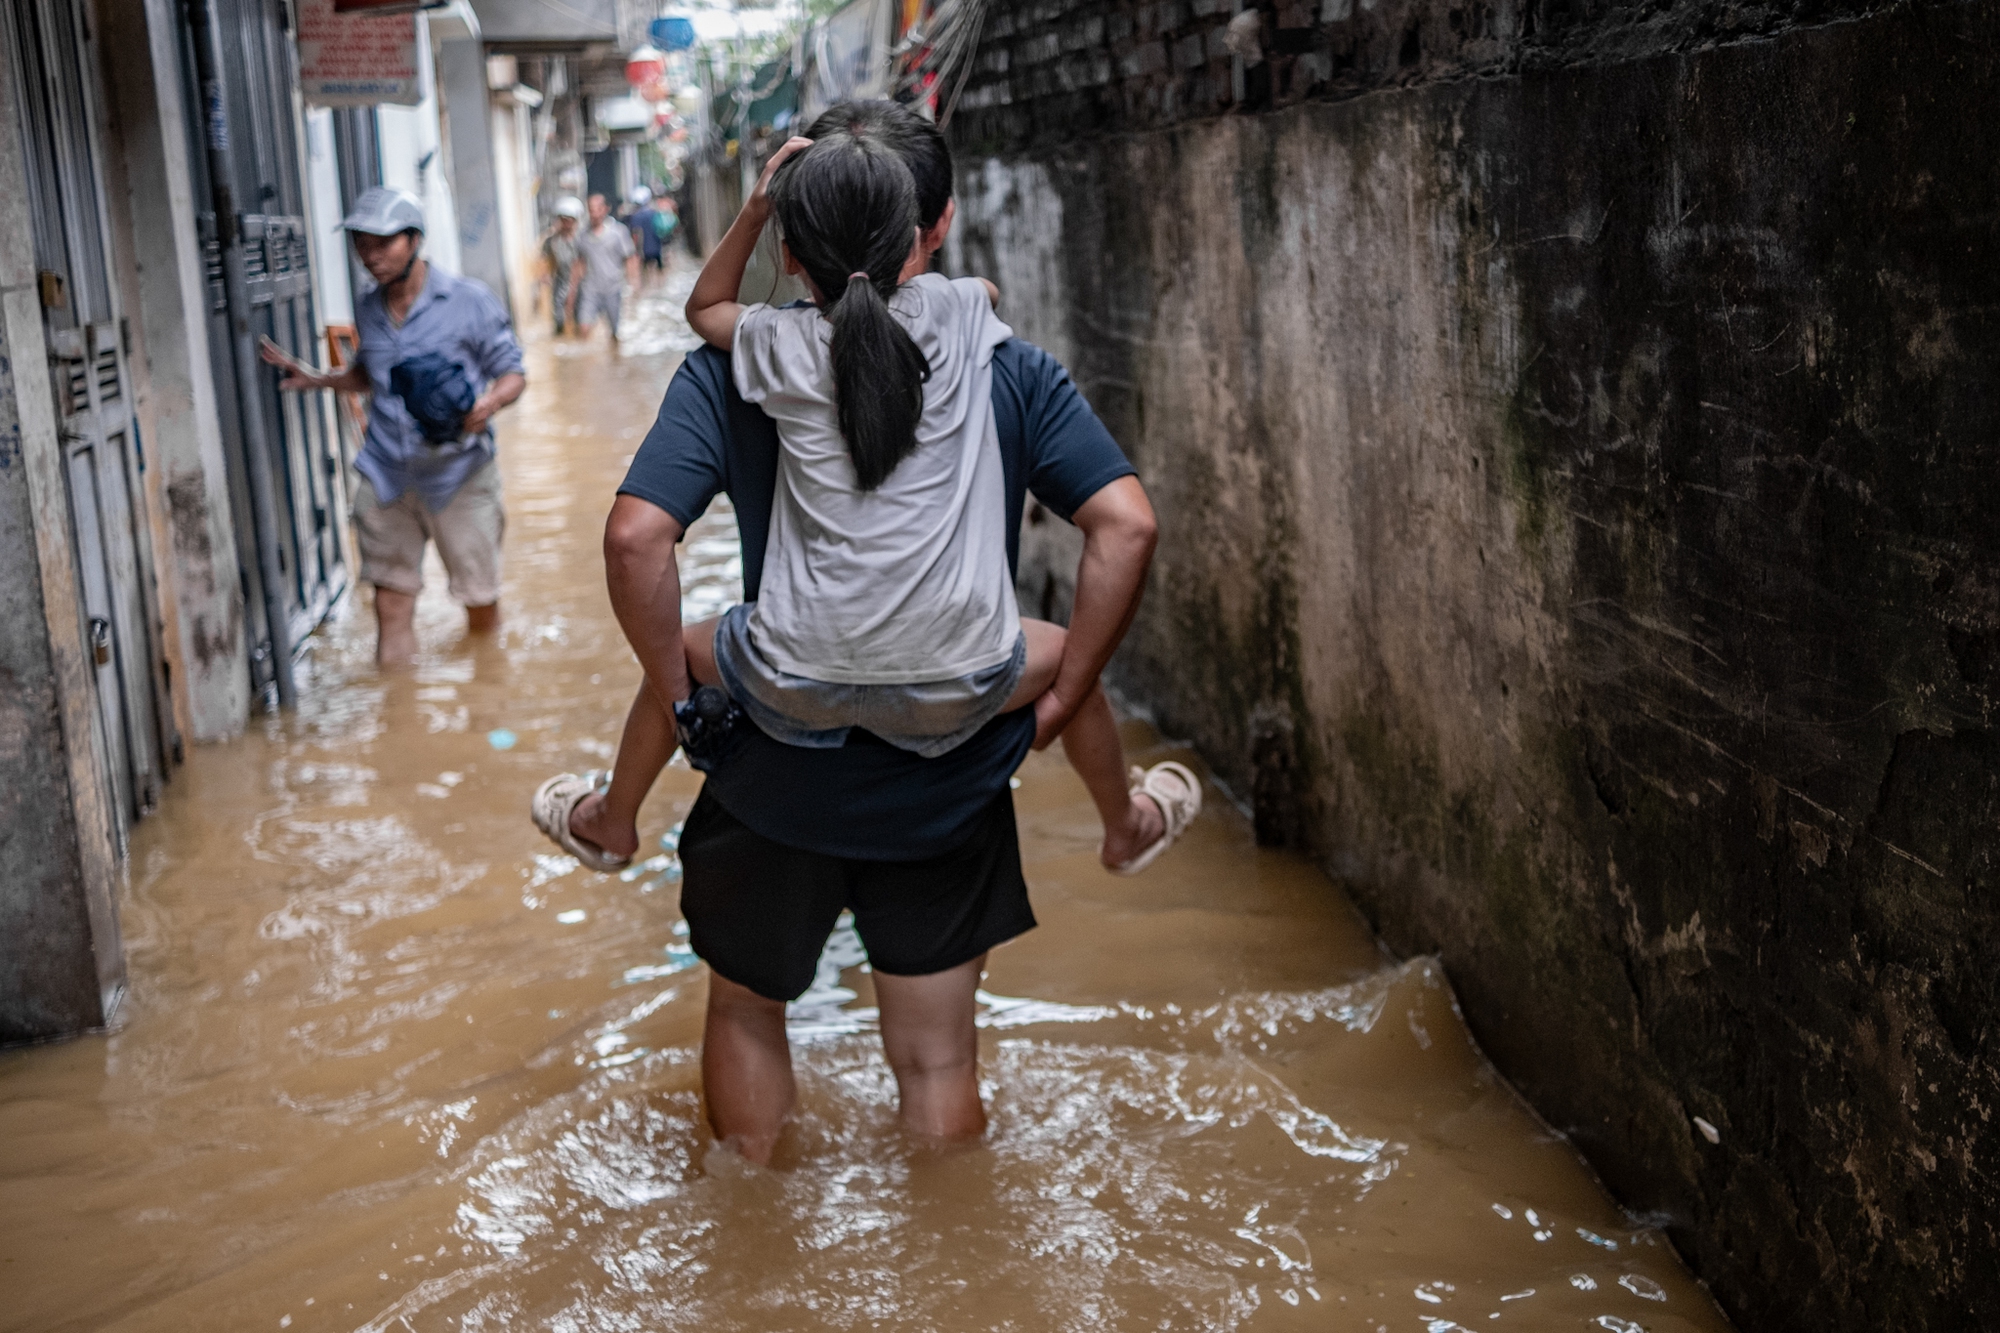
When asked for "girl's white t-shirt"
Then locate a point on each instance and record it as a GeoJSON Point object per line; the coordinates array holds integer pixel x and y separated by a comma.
{"type": "Point", "coordinates": [908, 582]}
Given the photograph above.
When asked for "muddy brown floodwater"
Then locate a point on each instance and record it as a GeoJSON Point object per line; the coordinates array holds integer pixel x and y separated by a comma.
{"type": "Point", "coordinates": [390, 1063]}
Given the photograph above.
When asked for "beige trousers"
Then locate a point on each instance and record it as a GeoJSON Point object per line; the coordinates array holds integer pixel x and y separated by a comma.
{"type": "Point", "coordinates": [467, 532]}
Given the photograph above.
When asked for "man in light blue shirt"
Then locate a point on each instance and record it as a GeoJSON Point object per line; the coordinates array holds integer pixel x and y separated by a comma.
{"type": "Point", "coordinates": [427, 467]}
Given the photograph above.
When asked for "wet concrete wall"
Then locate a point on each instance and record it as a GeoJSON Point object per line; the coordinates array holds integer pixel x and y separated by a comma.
{"type": "Point", "coordinates": [165, 296]}
{"type": "Point", "coordinates": [49, 982]}
{"type": "Point", "coordinates": [61, 961]}
{"type": "Point", "coordinates": [1580, 490]}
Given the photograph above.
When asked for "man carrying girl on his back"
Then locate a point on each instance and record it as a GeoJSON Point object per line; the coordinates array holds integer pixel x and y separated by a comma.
{"type": "Point", "coordinates": [887, 602]}
{"type": "Point", "coordinates": [885, 624]}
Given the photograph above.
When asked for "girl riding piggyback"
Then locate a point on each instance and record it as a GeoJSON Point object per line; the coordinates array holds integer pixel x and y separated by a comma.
{"type": "Point", "coordinates": [887, 600]}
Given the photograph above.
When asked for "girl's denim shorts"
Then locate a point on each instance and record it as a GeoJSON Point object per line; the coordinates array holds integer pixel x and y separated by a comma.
{"type": "Point", "coordinates": [928, 718]}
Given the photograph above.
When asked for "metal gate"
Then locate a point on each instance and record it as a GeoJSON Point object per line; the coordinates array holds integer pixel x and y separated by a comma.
{"type": "Point", "coordinates": [357, 151]}
{"type": "Point", "coordinates": [285, 470]}
{"type": "Point", "coordinates": [54, 64]}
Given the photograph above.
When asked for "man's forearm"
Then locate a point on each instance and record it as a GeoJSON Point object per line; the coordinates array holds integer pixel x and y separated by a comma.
{"type": "Point", "coordinates": [500, 393]}
{"type": "Point", "coordinates": [647, 602]}
{"type": "Point", "coordinates": [645, 586]}
{"type": "Point", "coordinates": [350, 378]}
{"type": "Point", "coordinates": [504, 391]}
{"type": "Point", "coordinates": [1119, 536]}
{"type": "Point", "coordinates": [1108, 583]}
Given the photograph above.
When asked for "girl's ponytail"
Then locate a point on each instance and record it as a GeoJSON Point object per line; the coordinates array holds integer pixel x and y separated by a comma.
{"type": "Point", "coordinates": [878, 381]}
{"type": "Point", "coordinates": [848, 210]}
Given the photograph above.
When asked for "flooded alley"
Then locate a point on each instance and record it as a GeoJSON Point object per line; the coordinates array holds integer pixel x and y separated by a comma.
{"type": "Point", "coordinates": [389, 1062]}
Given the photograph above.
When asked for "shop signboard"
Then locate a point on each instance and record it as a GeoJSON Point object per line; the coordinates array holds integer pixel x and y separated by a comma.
{"type": "Point", "coordinates": [357, 58]}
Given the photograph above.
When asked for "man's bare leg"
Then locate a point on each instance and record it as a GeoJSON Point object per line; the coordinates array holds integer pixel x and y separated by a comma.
{"type": "Point", "coordinates": [746, 1069]}
{"type": "Point", "coordinates": [610, 819]}
{"type": "Point", "coordinates": [933, 1047]}
{"type": "Point", "coordinates": [483, 619]}
{"type": "Point", "coordinates": [1091, 744]}
{"type": "Point", "coordinates": [395, 627]}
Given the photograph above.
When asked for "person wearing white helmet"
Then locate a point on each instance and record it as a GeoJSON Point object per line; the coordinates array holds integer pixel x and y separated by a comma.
{"type": "Point", "coordinates": [559, 254]}
{"type": "Point", "coordinates": [606, 264]}
{"type": "Point", "coordinates": [437, 358]}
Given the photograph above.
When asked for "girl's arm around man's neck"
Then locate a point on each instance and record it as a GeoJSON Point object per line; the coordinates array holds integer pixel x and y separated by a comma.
{"type": "Point", "coordinates": [712, 307]}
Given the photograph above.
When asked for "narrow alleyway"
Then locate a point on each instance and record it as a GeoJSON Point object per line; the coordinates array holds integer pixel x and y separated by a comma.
{"type": "Point", "coordinates": [388, 1062]}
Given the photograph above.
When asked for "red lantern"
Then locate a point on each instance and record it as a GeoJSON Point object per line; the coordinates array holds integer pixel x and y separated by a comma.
{"type": "Point", "coordinates": [645, 65]}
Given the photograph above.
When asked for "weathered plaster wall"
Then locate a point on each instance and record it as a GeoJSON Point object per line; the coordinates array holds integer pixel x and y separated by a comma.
{"type": "Point", "coordinates": [166, 302]}
{"type": "Point", "coordinates": [1581, 530]}
{"type": "Point", "coordinates": [62, 966]}
{"type": "Point", "coordinates": [50, 981]}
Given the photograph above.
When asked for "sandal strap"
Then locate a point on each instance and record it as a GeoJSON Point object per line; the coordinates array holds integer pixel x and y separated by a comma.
{"type": "Point", "coordinates": [1178, 792]}
{"type": "Point", "coordinates": [553, 803]}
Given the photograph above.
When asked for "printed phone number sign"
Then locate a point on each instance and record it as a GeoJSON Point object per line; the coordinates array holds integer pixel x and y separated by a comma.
{"type": "Point", "coordinates": [357, 59]}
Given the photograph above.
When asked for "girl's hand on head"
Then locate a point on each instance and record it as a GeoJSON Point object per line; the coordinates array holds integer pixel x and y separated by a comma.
{"type": "Point", "coordinates": [760, 198]}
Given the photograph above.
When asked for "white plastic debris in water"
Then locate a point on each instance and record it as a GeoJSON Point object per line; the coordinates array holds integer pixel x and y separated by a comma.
{"type": "Point", "coordinates": [1643, 1287]}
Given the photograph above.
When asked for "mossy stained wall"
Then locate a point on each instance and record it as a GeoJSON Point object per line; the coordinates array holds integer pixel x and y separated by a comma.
{"type": "Point", "coordinates": [1581, 530]}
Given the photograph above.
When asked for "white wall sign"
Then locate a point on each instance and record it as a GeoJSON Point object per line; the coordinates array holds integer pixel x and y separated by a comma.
{"type": "Point", "coordinates": [357, 59]}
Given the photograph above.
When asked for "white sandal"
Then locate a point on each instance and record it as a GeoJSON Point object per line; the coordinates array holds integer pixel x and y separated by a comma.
{"type": "Point", "coordinates": [1176, 790]}
{"type": "Point", "coordinates": [555, 800]}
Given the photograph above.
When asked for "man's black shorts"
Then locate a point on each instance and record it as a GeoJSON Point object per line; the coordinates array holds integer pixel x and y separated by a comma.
{"type": "Point", "coordinates": [759, 912]}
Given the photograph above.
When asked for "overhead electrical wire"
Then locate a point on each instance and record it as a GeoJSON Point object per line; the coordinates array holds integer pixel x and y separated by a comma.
{"type": "Point", "coordinates": [937, 54]}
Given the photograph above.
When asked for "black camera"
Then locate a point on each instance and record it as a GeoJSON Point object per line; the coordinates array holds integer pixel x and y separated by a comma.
{"type": "Point", "coordinates": [709, 724]}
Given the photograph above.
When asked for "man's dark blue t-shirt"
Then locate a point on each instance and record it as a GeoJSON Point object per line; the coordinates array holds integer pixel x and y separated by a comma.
{"type": "Point", "coordinates": [867, 799]}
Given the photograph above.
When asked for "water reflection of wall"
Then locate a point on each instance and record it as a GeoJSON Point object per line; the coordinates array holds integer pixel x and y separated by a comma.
{"type": "Point", "coordinates": [1576, 496]}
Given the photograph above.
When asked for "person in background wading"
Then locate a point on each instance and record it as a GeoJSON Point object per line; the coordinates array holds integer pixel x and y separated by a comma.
{"type": "Point", "coordinates": [437, 358]}
{"type": "Point", "coordinates": [924, 851]}
{"type": "Point", "coordinates": [650, 225]}
{"type": "Point", "coordinates": [559, 254]}
{"type": "Point", "coordinates": [606, 264]}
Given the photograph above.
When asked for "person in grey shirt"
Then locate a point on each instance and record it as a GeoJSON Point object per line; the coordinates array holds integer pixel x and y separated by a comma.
{"type": "Point", "coordinates": [412, 489]}
{"type": "Point", "coordinates": [606, 263]}
{"type": "Point", "coordinates": [559, 252]}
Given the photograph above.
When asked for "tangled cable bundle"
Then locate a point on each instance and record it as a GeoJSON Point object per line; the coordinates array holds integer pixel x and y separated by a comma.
{"type": "Point", "coordinates": [935, 58]}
